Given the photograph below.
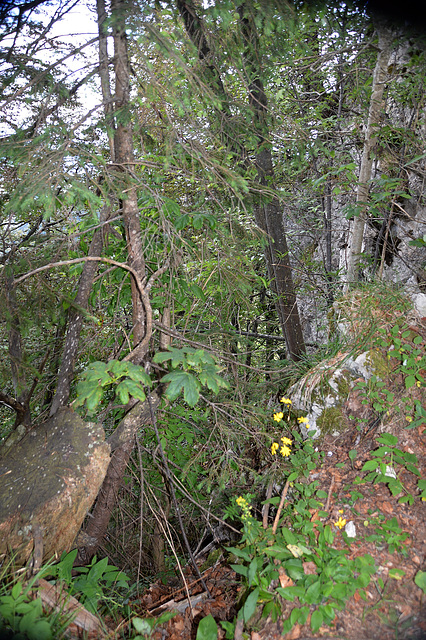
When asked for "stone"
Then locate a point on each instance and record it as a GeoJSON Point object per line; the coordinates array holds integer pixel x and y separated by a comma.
{"type": "Point", "coordinates": [49, 480]}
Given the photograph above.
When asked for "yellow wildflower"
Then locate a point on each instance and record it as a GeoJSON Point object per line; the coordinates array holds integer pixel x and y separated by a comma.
{"type": "Point", "coordinates": [409, 418]}
{"type": "Point", "coordinates": [286, 401]}
{"type": "Point", "coordinates": [340, 523]}
{"type": "Point", "coordinates": [418, 383]}
{"type": "Point", "coordinates": [286, 440]}
{"type": "Point", "coordinates": [274, 448]}
{"type": "Point", "coordinates": [285, 451]}
{"type": "Point", "coordinates": [302, 420]}
{"type": "Point", "coordinates": [245, 507]}
{"type": "Point", "coordinates": [278, 416]}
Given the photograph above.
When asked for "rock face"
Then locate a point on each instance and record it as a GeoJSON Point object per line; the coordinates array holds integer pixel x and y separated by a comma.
{"type": "Point", "coordinates": [326, 392]}
{"type": "Point", "coordinates": [48, 482]}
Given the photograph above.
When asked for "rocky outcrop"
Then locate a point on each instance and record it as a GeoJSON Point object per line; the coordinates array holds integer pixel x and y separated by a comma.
{"type": "Point", "coordinates": [48, 482]}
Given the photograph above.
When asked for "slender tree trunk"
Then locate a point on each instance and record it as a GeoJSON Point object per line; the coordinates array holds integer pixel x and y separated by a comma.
{"type": "Point", "coordinates": [16, 355]}
{"type": "Point", "coordinates": [75, 319]}
{"type": "Point", "coordinates": [370, 141]}
{"type": "Point", "coordinates": [268, 215]}
{"type": "Point", "coordinates": [123, 439]}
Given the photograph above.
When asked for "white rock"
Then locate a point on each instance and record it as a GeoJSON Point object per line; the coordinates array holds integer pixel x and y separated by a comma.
{"type": "Point", "coordinates": [350, 529]}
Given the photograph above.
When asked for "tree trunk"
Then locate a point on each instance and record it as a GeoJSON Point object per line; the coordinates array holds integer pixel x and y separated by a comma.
{"type": "Point", "coordinates": [140, 413]}
{"type": "Point", "coordinates": [370, 141]}
{"type": "Point", "coordinates": [268, 216]}
{"type": "Point", "coordinates": [75, 319]}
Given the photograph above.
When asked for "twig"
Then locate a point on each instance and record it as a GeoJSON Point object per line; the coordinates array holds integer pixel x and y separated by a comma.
{"type": "Point", "coordinates": [327, 504]}
{"type": "Point", "coordinates": [266, 506]}
{"type": "Point", "coordinates": [280, 507]}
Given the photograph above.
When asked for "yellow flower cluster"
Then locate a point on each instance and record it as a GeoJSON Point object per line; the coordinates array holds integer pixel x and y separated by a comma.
{"type": "Point", "coordinates": [278, 416]}
{"type": "Point", "coordinates": [284, 448]}
{"type": "Point", "coordinates": [245, 507]}
{"type": "Point", "coordinates": [304, 421]}
{"type": "Point", "coordinates": [286, 401]}
{"type": "Point", "coordinates": [340, 523]}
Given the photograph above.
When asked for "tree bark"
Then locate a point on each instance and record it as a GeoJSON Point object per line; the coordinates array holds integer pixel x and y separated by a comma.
{"type": "Point", "coordinates": [75, 319]}
{"type": "Point", "coordinates": [370, 141]}
{"type": "Point", "coordinates": [21, 403]}
{"type": "Point", "coordinates": [269, 215]}
{"type": "Point", "coordinates": [122, 441]}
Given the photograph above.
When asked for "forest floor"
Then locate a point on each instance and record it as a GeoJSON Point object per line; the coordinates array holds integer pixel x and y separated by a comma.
{"type": "Point", "coordinates": [394, 611]}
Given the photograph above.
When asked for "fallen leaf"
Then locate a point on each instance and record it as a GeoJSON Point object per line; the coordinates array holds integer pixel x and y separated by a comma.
{"type": "Point", "coordinates": [285, 580]}
{"type": "Point", "coordinates": [294, 633]}
{"type": "Point", "coordinates": [386, 507]}
{"type": "Point", "coordinates": [309, 568]}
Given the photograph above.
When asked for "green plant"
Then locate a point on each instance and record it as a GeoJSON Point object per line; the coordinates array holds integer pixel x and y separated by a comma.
{"type": "Point", "coordinates": [21, 613]}
{"type": "Point", "coordinates": [318, 578]}
{"type": "Point", "coordinates": [126, 378]}
{"type": "Point", "coordinates": [382, 466]}
{"type": "Point", "coordinates": [91, 583]}
{"type": "Point", "coordinates": [391, 533]}
{"type": "Point", "coordinates": [294, 560]}
{"type": "Point", "coordinates": [145, 627]}
{"type": "Point", "coordinates": [191, 369]}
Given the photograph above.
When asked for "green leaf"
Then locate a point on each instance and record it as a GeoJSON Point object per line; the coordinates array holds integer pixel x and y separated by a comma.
{"type": "Point", "coordinates": [122, 392]}
{"type": "Point", "coordinates": [250, 605]}
{"type": "Point", "coordinates": [144, 625]}
{"type": "Point", "coordinates": [40, 630]}
{"type": "Point", "coordinates": [316, 620]}
{"type": "Point", "coordinates": [387, 438]}
{"type": "Point", "coordinates": [134, 389]}
{"type": "Point", "coordinates": [197, 291]}
{"type": "Point", "coordinates": [182, 380]}
{"type": "Point", "coordinates": [313, 593]}
{"type": "Point", "coordinates": [16, 590]}
{"type": "Point", "coordinates": [410, 381]}
{"type": "Point", "coordinates": [420, 580]}
{"type": "Point", "coordinates": [370, 465]}
{"type": "Point", "coordinates": [207, 629]}
{"type": "Point", "coordinates": [93, 399]}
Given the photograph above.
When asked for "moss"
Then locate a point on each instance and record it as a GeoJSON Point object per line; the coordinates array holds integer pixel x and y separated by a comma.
{"type": "Point", "coordinates": [379, 364]}
{"type": "Point", "coordinates": [343, 385]}
{"type": "Point", "coordinates": [331, 419]}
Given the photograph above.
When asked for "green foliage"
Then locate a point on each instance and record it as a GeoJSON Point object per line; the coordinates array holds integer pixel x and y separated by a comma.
{"type": "Point", "coordinates": [382, 466]}
{"type": "Point", "coordinates": [196, 369]}
{"type": "Point", "coordinates": [420, 580]}
{"type": "Point", "coordinates": [207, 629]}
{"type": "Point", "coordinates": [323, 591]}
{"type": "Point", "coordinates": [23, 614]}
{"type": "Point", "coordinates": [92, 582]}
{"type": "Point", "coordinates": [126, 378]}
{"type": "Point", "coordinates": [145, 627]}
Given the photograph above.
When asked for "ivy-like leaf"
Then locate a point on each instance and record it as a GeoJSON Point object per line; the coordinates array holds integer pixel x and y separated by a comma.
{"type": "Point", "coordinates": [138, 374]}
{"type": "Point", "coordinates": [122, 392]}
{"type": "Point", "coordinates": [182, 380]}
{"type": "Point", "coordinates": [93, 399]}
{"type": "Point", "coordinates": [134, 389]}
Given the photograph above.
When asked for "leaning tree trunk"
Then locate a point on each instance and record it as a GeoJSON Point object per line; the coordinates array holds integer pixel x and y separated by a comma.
{"type": "Point", "coordinates": [75, 318]}
{"type": "Point", "coordinates": [370, 141]}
